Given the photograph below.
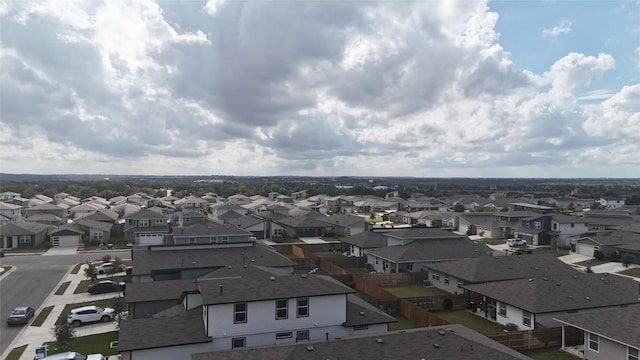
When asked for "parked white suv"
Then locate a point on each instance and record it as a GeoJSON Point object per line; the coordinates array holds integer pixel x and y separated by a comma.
{"type": "Point", "coordinates": [73, 355]}
{"type": "Point", "coordinates": [516, 242]}
{"type": "Point", "coordinates": [87, 314]}
{"type": "Point", "coordinates": [110, 268]}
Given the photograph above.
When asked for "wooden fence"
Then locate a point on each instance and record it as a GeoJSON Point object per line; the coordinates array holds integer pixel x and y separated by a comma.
{"type": "Point", "coordinates": [418, 314]}
{"type": "Point", "coordinates": [538, 338]}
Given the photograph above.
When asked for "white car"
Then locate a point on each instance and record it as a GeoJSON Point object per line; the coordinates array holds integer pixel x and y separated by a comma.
{"type": "Point", "coordinates": [88, 314]}
{"type": "Point", "coordinates": [516, 242]}
{"type": "Point", "coordinates": [109, 268]}
{"type": "Point", "coordinates": [72, 355]}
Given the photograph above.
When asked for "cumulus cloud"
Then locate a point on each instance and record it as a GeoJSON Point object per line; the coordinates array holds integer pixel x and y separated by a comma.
{"type": "Point", "coordinates": [303, 88]}
{"type": "Point", "coordinates": [563, 27]}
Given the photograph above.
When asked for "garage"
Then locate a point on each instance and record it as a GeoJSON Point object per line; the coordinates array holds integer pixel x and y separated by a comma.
{"type": "Point", "coordinates": [150, 239]}
{"type": "Point", "coordinates": [66, 237]}
{"type": "Point", "coordinates": [586, 247]}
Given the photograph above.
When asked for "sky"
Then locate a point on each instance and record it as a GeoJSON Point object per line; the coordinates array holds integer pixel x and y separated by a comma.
{"type": "Point", "coordinates": [321, 88]}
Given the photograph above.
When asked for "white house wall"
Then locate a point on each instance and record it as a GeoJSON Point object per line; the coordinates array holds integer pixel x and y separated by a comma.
{"type": "Point", "coordinates": [439, 280]}
{"type": "Point", "coordinates": [514, 316]}
{"type": "Point", "coordinates": [607, 349]}
{"type": "Point", "coordinates": [567, 230]}
{"type": "Point", "coordinates": [324, 311]}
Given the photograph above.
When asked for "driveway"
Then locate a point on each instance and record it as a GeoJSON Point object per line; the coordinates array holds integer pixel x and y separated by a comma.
{"type": "Point", "coordinates": [574, 258]}
{"type": "Point", "coordinates": [312, 240]}
{"type": "Point", "coordinates": [56, 251]}
{"type": "Point", "coordinates": [610, 267]}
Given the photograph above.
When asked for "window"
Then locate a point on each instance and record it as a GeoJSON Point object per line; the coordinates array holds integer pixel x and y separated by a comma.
{"type": "Point", "coordinates": [284, 335]}
{"type": "Point", "coordinates": [187, 220]}
{"type": "Point", "coordinates": [572, 225]}
{"type": "Point", "coordinates": [97, 236]}
{"type": "Point", "coordinates": [303, 307]}
{"type": "Point", "coordinates": [160, 221]}
{"type": "Point", "coordinates": [239, 313]}
{"type": "Point", "coordinates": [526, 318]}
{"type": "Point", "coordinates": [502, 309]}
{"type": "Point", "coordinates": [238, 342]}
{"type": "Point", "coordinates": [25, 239]}
{"type": "Point", "coordinates": [446, 279]}
{"type": "Point", "coordinates": [633, 353]}
{"type": "Point", "coordinates": [460, 284]}
{"type": "Point", "coordinates": [281, 309]}
{"type": "Point", "coordinates": [594, 342]}
{"type": "Point", "coordinates": [436, 276]}
{"type": "Point", "coordinates": [360, 327]}
{"type": "Point", "coordinates": [537, 225]}
{"type": "Point", "coordinates": [225, 239]}
{"type": "Point", "coordinates": [302, 335]}
{"type": "Point", "coordinates": [143, 223]}
{"type": "Point", "coordinates": [192, 240]}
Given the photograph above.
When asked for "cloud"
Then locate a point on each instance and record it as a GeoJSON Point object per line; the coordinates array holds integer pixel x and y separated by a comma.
{"type": "Point", "coordinates": [302, 88]}
{"type": "Point", "coordinates": [563, 28]}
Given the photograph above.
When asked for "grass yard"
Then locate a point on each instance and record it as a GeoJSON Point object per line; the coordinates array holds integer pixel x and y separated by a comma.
{"type": "Point", "coordinates": [40, 248]}
{"type": "Point", "coordinates": [4, 269]}
{"type": "Point", "coordinates": [549, 250]}
{"type": "Point", "coordinates": [474, 322]}
{"type": "Point", "coordinates": [63, 287]}
{"type": "Point", "coordinates": [328, 254]}
{"type": "Point", "coordinates": [16, 353]}
{"type": "Point", "coordinates": [410, 291]}
{"type": "Point", "coordinates": [592, 262]}
{"type": "Point", "coordinates": [76, 268]}
{"type": "Point", "coordinates": [489, 241]}
{"type": "Point", "coordinates": [42, 316]}
{"type": "Point", "coordinates": [635, 272]}
{"type": "Point", "coordinates": [403, 324]}
{"type": "Point", "coordinates": [65, 312]}
{"type": "Point", "coordinates": [357, 271]}
{"type": "Point", "coordinates": [98, 343]}
{"type": "Point", "coordinates": [549, 354]}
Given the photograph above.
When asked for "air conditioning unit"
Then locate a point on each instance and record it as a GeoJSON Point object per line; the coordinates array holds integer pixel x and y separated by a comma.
{"type": "Point", "coordinates": [511, 327]}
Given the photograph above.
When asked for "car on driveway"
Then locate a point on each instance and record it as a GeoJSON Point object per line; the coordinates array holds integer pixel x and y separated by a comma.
{"type": "Point", "coordinates": [73, 355]}
{"type": "Point", "coordinates": [516, 242]}
{"type": "Point", "coordinates": [110, 268]}
{"type": "Point", "coordinates": [106, 286]}
{"type": "Point", "coordinates": [20, 315]}
{"type": "Point", "coordinates": [88, 314]}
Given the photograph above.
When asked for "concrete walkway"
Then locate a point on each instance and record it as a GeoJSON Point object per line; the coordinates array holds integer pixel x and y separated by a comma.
{"type": "Point", "coordinates": [312, 240]}
{"type": "Point", "coordinates": [35, 336]}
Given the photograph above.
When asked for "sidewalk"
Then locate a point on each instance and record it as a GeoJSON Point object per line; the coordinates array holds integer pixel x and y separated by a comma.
{"type": "Point", "coordinates": [35, 336]}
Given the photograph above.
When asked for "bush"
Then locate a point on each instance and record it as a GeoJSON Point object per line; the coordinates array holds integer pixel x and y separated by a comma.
{"type": "Point", "coordinates": [614, 257]}
{"type": "Point", "coordinates": [598, 255]}
{"type": "Point", "coordinates": [64, 334]}
{"type": "Point", "coordinates": [626, 260]}
{"type": "Point", "coordinates": [106, 258]}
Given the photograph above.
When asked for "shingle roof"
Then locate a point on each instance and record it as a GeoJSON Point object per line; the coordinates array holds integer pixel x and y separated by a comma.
{"type": "Point", "coordinates": [183, 329]}
{"type": "Point", "coordinates": [208, 228]}
{"type": "Point", "coordinates": [615, 238]}
{"type": "Point", "coordinates": [360, 312]}
{"type": "Point", "coordinates": [259, 285]}
{"type": "Point", "coordinates": [431, 250]}
{"type": "Point", "coordinates": [367, 240]}
{"type": "Point", "coordinates": [146, 214]}
{"type": "Point", "coordinates": [457, 342]}
{"type": "Point", "coordinates": [342, 220]}
{"type": "Point", "coordinates": [422, 233]}
{"type": "Point", "coordinates": [161, 258]}
{"type": "Point", "coordinates": [22, 228]}
{"type": "Point", "coordinates": [497, 268]}
{"type": "Point", "coordinates": [299, 221]}
{"type": "Point", "coordinates": [620, 324]}
{"type": "Point", "coordinates": [562, 293]}
{"type": "Point", "coordinates": [157, 290]}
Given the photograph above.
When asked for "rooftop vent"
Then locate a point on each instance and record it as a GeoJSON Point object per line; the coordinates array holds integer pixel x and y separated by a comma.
{"type": "Point", "coordinates": [379, 340]}
{"type": "Point", "coordinates": [530, 279]}
{"type": "Point", "coordinates": [441, 332]}
{"type": "Point", "coordinates": [272, 278]}
{"type": "Point", "coordinates": [361, 312]}
{"type": "Point", "coordinates": [309, 348]}
{"type": "Point", "coordinates": [588, 298]}
{"type": "Point", "coordinates": [437, 346]}
{"type": "Point", "coordinates": [230, 267]}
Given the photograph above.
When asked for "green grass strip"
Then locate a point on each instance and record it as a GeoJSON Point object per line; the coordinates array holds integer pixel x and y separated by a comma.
{"type": "Point", "coordinates": [16, 353]}
{"type": "Point", "coordinates": [42, 316]}
{"type": "Point", "coordinates": [76, 268]}
{"type": "Point", "coordinates": [63, 287]}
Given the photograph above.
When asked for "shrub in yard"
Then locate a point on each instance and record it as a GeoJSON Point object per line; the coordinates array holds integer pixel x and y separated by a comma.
{"type": "Point", "coordinates": [598, 255]}
{"type": "Point", "coordinates": [90, 272]}
{"type": "Point", "coordinates": [626, 260]}
{"type": "Point", "coordinates": [614, 257]}
{"type": "Point", "coordinates": [106, 258]}
{"type": "Point", "coordinates": [64, 334]}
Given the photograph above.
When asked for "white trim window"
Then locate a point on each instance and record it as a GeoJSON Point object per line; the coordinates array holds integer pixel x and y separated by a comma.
{"type": "Point", "coordinates": [502, 309]}
{"type": "Point", "coordinates": [240, 313]}
{"type": "Point", "coordinates": [302, 335]}
{"type": "Point", "coordinates": [594, 342]}
{"type": "Point", "coordinates": [25, 239]}
{"type": "Point", "coordinates": [526, 318]}
{"type": "Point", "coordinates": [282, 309]}
{"type": "Point", "coordinates": [303, 306]}
{"type": "Point", "coordinates": [284, 335]}
{"type": "Point", "coordinates": [633, 353]}
{"type": "Point", "coordinates": [239, 342]}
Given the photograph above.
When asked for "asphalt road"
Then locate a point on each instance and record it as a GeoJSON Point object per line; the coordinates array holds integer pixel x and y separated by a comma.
{"type": "Point", "coordinates": [32, 280]}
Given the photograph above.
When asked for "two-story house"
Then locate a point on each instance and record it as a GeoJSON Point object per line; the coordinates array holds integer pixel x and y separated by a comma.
{"type": "Point", "coordinates": [47, 208]}
{"type": "Point", "coordinates": [567, 226]}
{"type": "Point", "coordinates": [146, 227]}
{"type": "Point", "coordinates": [611, 203]}
{"type": "Point", "coordinates": [536, 230]}
{"type": "Point", "coordinates": [9, 212]}
{"type": "Point", "coordinates": [250, 307]}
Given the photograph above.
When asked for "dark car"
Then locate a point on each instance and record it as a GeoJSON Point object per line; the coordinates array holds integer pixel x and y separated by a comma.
{"type": "Point", "coordinates": [20, 315]}
{"type": "Point", "coordinates": [106, 286]}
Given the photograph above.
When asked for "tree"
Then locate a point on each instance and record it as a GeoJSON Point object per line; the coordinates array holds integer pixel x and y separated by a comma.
{"type": "Point", "coordinates": [90, 272]}
{"type": "Point", "coordinates": [459, 208]}
{"type": "Point", "coordinates": [626, 260]}
{"type": "Point", "coordinates": [119, 307]}
{"type": "Point", "coordinates": [64, 333]}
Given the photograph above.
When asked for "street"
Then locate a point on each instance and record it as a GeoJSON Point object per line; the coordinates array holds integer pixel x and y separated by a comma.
{"type": "Point", "coordinates": [33, 279]}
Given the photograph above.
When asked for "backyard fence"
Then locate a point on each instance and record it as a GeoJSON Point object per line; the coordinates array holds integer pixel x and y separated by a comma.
{"type": "Point", "coordinates": [418, 314]}
{"type": "Point", "coordinates": [538, 338]}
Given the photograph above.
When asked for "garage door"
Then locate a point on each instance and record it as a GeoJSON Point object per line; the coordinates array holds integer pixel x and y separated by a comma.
{"type": "Point", "coordinates": [585, 249]}
{"type": "Point", "coordinates": [151, 239]}
{"type": "Point", "coordinates": [65, 241]}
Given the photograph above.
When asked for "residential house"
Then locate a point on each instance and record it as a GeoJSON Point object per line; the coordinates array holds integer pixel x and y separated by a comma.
{"type": "Point", "coordinates": [299, 226]}
{"type": "Point", "coordinates": [530, 303]}
{"type": "Point", "coordinates": [192, 203]}
{"type": "Point", "coordinates": [434, 343]}
{"type": "Point", "coordinates": [188, 217]}
{"type": "Point", "coordinates": [22, 234]}
{"type": "Point", "coordinates": [252, 307]}
{"type": "Point", "coordinates": [611, 203]}
{"type": "Point", "coordinates": [606, 242]}
{"type": "Point", "coordinates": [452, 276]}
{"type": "Point", "coordinates": [257, 225]}
{"type": "Point", "coordinates": [68, 235]}
{"type": "Point", "coordinates": [567, 226]}
{"type": "Point", "coordinates": [173, 262]}
{"type": "Point", "coordinates": [10, 212]}
{"type": "Point", "coordinates": [146, 227]}
{"type": "Point", "coordinates": [85, 209]}
{"type": "Point", "coordinates": [48, 208]}
{"type": "Point", "coordinates": [239, 199]}
{"type": "Point", "coordinates": [299, 195]}
{"type": "Point", "coordinates": [219, 209]}
{"type": "Point", "coordinates": [8, 196]}
{"type": "Point", "coordinates": [607, 334]}
{"type": "Point", "coordinates": [536, 230]}
{"type": "Point", "coordinates": [99, 232]}
{"type": "Point", "coordinates": [208, 232]}
{"type": "Point", "coordinates": [608, 220]}
{"type": "Point", "coordinates": [355, 245]}
{"type": "Point", "coordinates": [343, 225]}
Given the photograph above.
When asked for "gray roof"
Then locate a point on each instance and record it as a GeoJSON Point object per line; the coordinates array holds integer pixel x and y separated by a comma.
{"type": "Point", "coordinates": [157, 290]}
{"type": "Point", "coordinates": [146, 214]}
{"type": "Point", "coordinates": [568, 219]}
{"type": "Point", "coordinates": [620, 324]}
{"type": "Point", "coordinates": [562, 293]}
{"type": "Point", "coordinates": [208, 228]}
{"type": "Point", "coordinates": [251, 285]}
{"type": "Point", "coordinates": [94, 224]}
{"type": "Point", "coordinates": [360, 312]}
{"type": "Point", "coordinates": [496, 268]}
{"type": "Point", "coordinates": [342, 220]}
{"type": "Point", "coordinates": [182, 329]}
{"type": "Point", "coordinates": [457, 342]}
{"type": "Point", "coordinates": [49, 217]}
{"type": "Point", "coordinates": [246, 221]}
{"type": "Point", "coordinates": [367, 240]}
{"type": "Point", "coordinates": [422, 233]}
{"type": "Point", "coordinates": [67, 229]}
{"type": "Point", "coordinates": [431, 250]}
{"type": "Point", "coordinates": [615, 238]}
{"type": "Point", "coordinates": [300, 222]}
{"type": "Point", "coordinates": [22, 228]}
{"type": "Point", "coordinates": [166, 258]}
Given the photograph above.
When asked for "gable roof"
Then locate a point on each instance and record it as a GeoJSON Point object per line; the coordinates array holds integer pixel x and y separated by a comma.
{"type": "Point", "coordinates": [562, 293]}
{"type": "Point", "coordinates": [615, 237]}
{"type": "Point", "coordinates": [360, 312]}
{"type": "Point", "coordinates": [342, 220]}
{"type": "Point", "coordinates": [208, 228]}
{"type": "Point", "coordinates": [22, 228]}
{"type": "Point", "coordinates": [67, 229]}
{"type": "Point", "coordinates": [146, 214]}
{"type": "Point", "coordinates": [456, 342]}
{"type": "Point", "coordinates": [246, 221]}
{"type": "Point", "coordinates": [431, 250]}
{"type": "Point", "coordinates": [367, 240]}
{"type": "Point", "coordinates": [497, 268]}
{"type": "Point", "coordinates": [300, 222]}
{"type": "Point", "coordinates": [422, 234]}
{"type": "Point", "coordinates": [93, 224]}
{"type": "Point", "coordinates": [619, 324]}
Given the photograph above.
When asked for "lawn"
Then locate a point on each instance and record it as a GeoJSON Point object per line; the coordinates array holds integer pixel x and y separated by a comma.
{"type": "Point", "coordinates": [42, 316]}
{"type": "Point", "coordinates": [471, 321]}
{"type": "Point", "coordinates": [549, 354]}
{"type": "Point", "coordinates": [76, 268]}
{"type": "Point", "coordinates": [549, 250]}
{"type": "Point", "coordinates": [635, 272]}
{"type": "Point", "coordinates": [16, 353]}
{"type": "Point", "coordinates": [592, 262]}
{"type": "Point", "coordinates": [65, 312]}
{"type": "Point", "coordinates": [63, 288]}
{"type": "Point", "coordinates": [403, 324]}
{"type": "Point", "coordinates": [411, 291]}
{"type": "Point", "coordinates": [357, 271]}
{"type": "Point", "coordinates": [328, 254]}
{"type": "Point", "coordinates": [40, 248]}
{"type": "Point", "coordinates": [489, 241]}
{"type": "Point", "coordinates": [5, 269]}
{"type": "Point", "coordinates": [91, 344]}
